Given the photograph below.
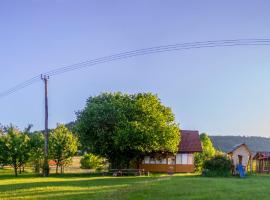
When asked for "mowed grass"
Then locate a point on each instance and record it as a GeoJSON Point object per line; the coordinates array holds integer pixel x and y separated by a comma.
{"type": "Point", "coordinates": [83, 186]}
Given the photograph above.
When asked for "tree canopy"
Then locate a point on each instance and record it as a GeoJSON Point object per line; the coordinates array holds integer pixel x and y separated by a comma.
{"type": "Point", "coordinates": [124, 127]}
{"type": "Point", "coordinates": [207, 153]}
{"type": "Point", "coordinates": [36, 150]}
{"type": "Point", "coordinates": [63, 145]}
{"type": "Point", "coordinates": [15, 147]}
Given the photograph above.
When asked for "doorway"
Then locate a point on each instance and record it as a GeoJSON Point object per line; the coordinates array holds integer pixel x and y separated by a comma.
{"type": "Point", "coordinates": [240, 159]}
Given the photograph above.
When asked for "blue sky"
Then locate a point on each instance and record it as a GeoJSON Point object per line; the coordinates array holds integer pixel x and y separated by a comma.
{"type": "Point", "coordinates": [221, 91]}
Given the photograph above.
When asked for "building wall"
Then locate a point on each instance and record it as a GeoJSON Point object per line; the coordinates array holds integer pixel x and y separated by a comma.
{"type": "Point", "coordinates": [242, 150]}
{"type": "Point", "coordinates": [182, 162]}
{"type": "Point", "coordinates": [168, 168]}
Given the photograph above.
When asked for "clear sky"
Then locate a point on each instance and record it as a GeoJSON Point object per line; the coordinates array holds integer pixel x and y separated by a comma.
{"type": "Point", "coordinates": [222, 91]}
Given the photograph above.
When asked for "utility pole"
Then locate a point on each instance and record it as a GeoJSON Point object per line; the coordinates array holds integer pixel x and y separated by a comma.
{"type": "Point", "coordinates": [46, 168]}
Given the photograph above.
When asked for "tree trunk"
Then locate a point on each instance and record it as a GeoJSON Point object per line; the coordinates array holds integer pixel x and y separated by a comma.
{"type": "Point", "coordinates": [15, 170]}
{"type": "Point", "coordinates": [57, 165]}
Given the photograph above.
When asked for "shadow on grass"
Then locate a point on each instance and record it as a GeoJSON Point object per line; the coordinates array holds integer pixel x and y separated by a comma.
{"type": "Point", "coordinates": [73, 186]}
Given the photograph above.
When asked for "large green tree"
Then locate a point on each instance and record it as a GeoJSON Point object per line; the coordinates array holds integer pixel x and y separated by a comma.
{"type": "Point", "coordinates": [15, 147]}
{"type": "Point", "coordinates": [63, 145]}
{"type": "Point", "coordinates": [207, 153]}
{"type": "Point", "coordinates": [124, 127]}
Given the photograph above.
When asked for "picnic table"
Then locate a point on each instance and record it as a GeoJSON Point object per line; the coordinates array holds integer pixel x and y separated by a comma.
{"type": "Point", "coordinates": [127, 172]}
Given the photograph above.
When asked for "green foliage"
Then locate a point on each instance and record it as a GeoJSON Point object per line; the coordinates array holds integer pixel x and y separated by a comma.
{"type": "Point", "coordinates": [207, 153]}
{"type": "Point", "coordinates": [15, 147]}
{"type": "Point", "coordinates": [63, 145]}
{"type": "Point", "coordinates": [37, 150]}
{"type": "Point", "coordinates": [124, 127]}
{"type": "Point", "coordinates": [4, 159]}
{"type": "Point", "coordinates": [91, 161]}
{"type": "Point", "coordinates": [219, 165]}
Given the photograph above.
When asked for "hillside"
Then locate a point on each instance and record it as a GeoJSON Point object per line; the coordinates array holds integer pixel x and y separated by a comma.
{"type": "Point", "coordinates": [225, 143]}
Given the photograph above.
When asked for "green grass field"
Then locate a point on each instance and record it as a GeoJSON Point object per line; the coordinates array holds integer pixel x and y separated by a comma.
{"type": "Point", "coordinates": [84, 186]}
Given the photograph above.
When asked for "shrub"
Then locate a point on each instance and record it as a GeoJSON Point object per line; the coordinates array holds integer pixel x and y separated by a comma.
{"type": "Point", "coordinates": [207, 153]}
{"type": "Point", "coordinates": [219, 165]}
{"type": "Point", "coordinates": [91, 161]}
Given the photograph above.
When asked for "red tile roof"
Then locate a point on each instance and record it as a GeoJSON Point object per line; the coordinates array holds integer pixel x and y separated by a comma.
{"type": "Point", "coordinates": [190, 142]}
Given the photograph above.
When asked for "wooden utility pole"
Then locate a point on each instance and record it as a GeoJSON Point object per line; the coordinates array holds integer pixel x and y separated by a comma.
{"type": "Point", "coordinates": [46, 168]}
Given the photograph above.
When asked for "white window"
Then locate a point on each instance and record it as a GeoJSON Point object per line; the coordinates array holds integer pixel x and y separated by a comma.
{"type": "Point", "coordinates": [171, 160]}
{"type": "Point", "coordinates": [184, 159]}
{"type": "Point", "coordinates": [159, 161]}
{"type": "Point", "coordinates": [146, 160]}
{"type": "Point", "coordinates": [152, 161]}
{"type": "Point", "coordinates": [179, 159]}
{"type": "Point", "coordinates": [164, 161]}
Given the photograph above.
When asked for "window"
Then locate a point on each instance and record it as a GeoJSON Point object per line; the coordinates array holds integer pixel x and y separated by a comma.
{"type": "Point", "coordinates": [158, 161]}
{"type": "Point", "coordinates": [171, 160]}
{"type": "Point", "coordinates": [152, 160]}
{"type": "Point", "coordinates": [184, 159]}
{"type": "Point", "coordinates": [179, 159]}
{"type": "Point", "coordinates": [146, 160]}
{"type": "Point", "coordinates": [164, 161]}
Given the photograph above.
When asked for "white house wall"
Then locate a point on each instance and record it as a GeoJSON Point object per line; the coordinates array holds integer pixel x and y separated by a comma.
{"type": "Point", "coordinates": [242, 150]}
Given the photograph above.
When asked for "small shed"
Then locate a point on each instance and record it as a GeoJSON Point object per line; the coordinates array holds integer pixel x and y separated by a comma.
{"type": "Point", "coordinates": [262, 162]}
{"type": "Point", "coordinates": [240, 154]}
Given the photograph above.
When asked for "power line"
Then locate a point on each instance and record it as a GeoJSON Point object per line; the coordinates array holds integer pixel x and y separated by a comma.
{"type": "Point", "coordinates": [160, 49]}
{"type": "Point", "coordinates": [140, 52]}
{"type": "Point", "coordinates": [19, 86]}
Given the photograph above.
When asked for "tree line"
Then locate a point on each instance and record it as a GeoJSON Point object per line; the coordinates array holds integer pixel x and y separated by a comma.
{"type": "Point", "coordinates": [20, 148]}
{"type": "Point", "coordinates": [121, 128]}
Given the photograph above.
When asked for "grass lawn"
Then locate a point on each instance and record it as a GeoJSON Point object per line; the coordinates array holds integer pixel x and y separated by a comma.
{"type": "Point", "coordinates": [28, 186]}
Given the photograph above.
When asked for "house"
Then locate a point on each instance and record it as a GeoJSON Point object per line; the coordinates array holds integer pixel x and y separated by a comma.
{"type": "Point", "coordinates": [183, 161]}
{"type": "Point", "coordinates": [240, 154]}
{"type": "Point", "coordinates": [262, 162]}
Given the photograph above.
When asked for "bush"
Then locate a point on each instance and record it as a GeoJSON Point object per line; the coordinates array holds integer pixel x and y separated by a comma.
{"type": "Point", "coordinates": [219, 165]}
{"type": "Point", "coordinates": [91, 161]}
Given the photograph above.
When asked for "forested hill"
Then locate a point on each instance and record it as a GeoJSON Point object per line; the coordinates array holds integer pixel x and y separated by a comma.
{"type": "Point", "coordinates": [225, 143]}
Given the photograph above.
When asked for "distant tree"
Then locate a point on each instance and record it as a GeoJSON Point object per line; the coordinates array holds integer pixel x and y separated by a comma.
{"type": "Point", "coordinates": [207, 153]}
{"type": "Point", "coordinates": [15, 147]}
{"type": "Point", "coordinates": [123, 128]}
{"type": "Point", "coordinates": [1, 130]}
{"type": "Point", "coordinates": [37, 150]}
{"type": "Point", "coordinates": [3, 150]}
{"type": "Point", "coordinates": [25, 148]}
{"type": "Point", "coordinates": [24, 152]}
{"type": "Point", "coordinates": [63, 145]}
{"type": "Point", "coordinates": [4, 159]}
{"type": "Point", "coordinates": [91, 161]}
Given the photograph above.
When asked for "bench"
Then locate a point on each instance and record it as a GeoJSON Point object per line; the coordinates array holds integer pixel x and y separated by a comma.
{"type": "Point", "coordinates": [127, 172]}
